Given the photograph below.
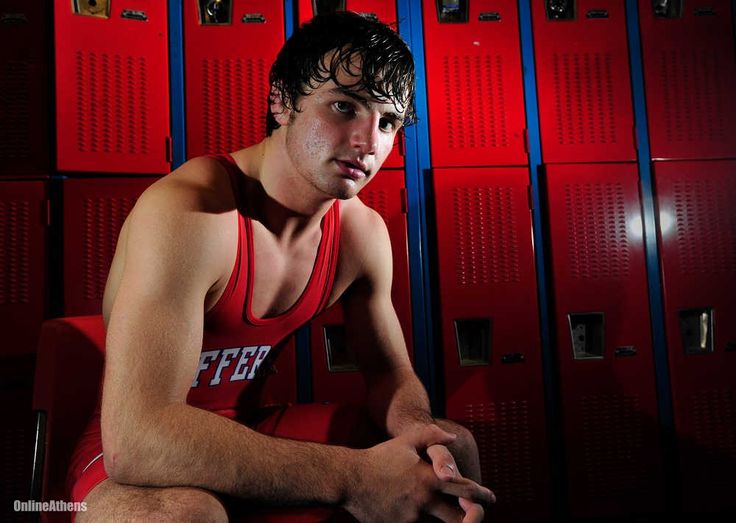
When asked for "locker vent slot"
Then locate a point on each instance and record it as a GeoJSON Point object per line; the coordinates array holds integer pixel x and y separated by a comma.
{"type": "Point", "coordinates": [585, 110]}
{"type": "Point", "coordinates": [613, 446]}
{"type": "Point", "coordinates": [339, 356]}
{"type": "Point", "coordinates": [15, 132]}
{"type": "Point", "coordinates": [598, 245]}
{"type": "Point", "coordinates": [503, 433]}
{"type": "Point", "coordinates": [587, 335]}
{"type": "Point", "coordinates": [473, 338]}
{"type": "Point", "coordinates": [103, 219]}
{"type": "Point", "coordinates": [376, 200]}
{"type": "Point", "coordinates": [112, 103]}
{"type": "Point", "coordinates": [475, 102]}
{"type": "Point", "coordinates": [694, 94]}
{"type": "Point", "coordinates": [485, 236]}
{"type": "Point", "coordinates": [233, 104]}
{"type": "Point", "coordinates": [696, 330]}
{"type": "Point", "coordinates": [706, 225]}
{"type": "Point", "coordinates": [714, 414]}
{"type": "Point", "coordinates": [15, 239]}
{"type": "Point", "coordinates": [452, 11]}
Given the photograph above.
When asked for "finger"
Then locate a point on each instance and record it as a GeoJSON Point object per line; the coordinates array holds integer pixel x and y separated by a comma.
{"type": "Point", "coordinates": [429, 435]}
{"type": "Point", "coordinates": [465, 488]}
{"type": "Point", "coordinates": [474, 513]}
{"type": "Point", "coordinates": [442, 462]}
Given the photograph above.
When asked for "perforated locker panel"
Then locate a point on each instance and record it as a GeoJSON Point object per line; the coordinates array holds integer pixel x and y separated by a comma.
{"type": "Point", "coordinates": [23, 255]}
{"type": "Point", "coordinates": [689, 75]}
{"type": "Point", "coordinates": [24, 93]}
{"type": "Point", "coordinates": [583, 83]}
{"type": "Point", "coordinates": [94, 213]}
{"type": "Point", "coordinates": [604, 348]}
{"type": "Point", "coordinates": [333, 364]}
{"type": "Point", "coordinates": [491, 345]}
{"type": "Point", "coordinates": [112, 86]}
{"type": "Point", "coordinates": [382, 10]}
{"type": "Point", "coordinates": [474, 85]}
{"type": "Point", "coordinates": [697, 235]}
{"type": "Point", "coordinates": [227, 61]}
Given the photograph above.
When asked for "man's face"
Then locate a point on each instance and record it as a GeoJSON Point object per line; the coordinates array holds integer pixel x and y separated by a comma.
{"type": "Point", "coordinates": [341, 136]}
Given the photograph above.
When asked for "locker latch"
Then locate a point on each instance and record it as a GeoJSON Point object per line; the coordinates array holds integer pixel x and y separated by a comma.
{"type": "Point", "coordinates": [98, 8]}
{"type": "Point", "coordinates": [625, 352]}
{"type": "Point", "coordinates": [586, 332]}
{"type": "Point", "coordinates": [696, 330]}
{"type": "Point", "coordinates": [667, 8]}
{"type": "Point", "coordinates": [473, 337]}
{"type": "Point", "coordinates": [560, 9]}
{"type": "Point", "coordinates": [489, 17]}
{"type": "Point", "coordinates": [512, 357]}
{"type": "Point", "coordinates": [705, 11]}
{"type": "Point", "coordinates": [597, 14]}
{"type": "Point", "coordinates": [253, 18]}
{"type": "Point", "coordinates": [339, 356]}
{"type": "Point", "coordinates": [452, 11]}
{"type": "Point", "coordinates": [215, 12]}
{"type": "Point", "coordinates": [130, 14]}
{"type": "Point", "coordinates": [13, 19]}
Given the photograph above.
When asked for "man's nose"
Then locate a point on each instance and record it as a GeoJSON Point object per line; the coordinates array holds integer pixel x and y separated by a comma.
{"type": "Point", "coordinates": [365, 135]}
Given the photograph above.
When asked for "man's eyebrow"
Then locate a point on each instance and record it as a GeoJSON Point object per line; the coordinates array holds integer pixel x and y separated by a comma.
{"type": "Point", "coordinates": [365, 102]}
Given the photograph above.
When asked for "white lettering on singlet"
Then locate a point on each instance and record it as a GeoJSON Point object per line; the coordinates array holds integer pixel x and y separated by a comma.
{"type": "Point", "coordinates": [247, 366]}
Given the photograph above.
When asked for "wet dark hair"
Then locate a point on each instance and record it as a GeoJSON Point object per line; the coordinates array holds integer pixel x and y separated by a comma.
{"type": "Point", "coordinates": [387, 67]}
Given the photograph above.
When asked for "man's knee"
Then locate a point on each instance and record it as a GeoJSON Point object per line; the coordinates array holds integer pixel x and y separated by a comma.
{"type": "Point", "coordinates": [111, 501]}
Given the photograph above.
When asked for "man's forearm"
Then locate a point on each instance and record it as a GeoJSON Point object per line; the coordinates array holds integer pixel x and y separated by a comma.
{"type": "Point", "coordinates": [187, 446]}
{"type": "Point", "coordinates": [399, 402]}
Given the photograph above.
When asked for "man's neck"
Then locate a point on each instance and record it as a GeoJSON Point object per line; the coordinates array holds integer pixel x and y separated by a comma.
{"type": "Point", "coordinates": [288, 205]}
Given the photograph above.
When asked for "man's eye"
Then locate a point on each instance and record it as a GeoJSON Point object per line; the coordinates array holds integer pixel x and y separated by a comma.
{"type": "Point", "coordinates": [386, 125]}
{"type": "Point", "coordinates": [343, 107]}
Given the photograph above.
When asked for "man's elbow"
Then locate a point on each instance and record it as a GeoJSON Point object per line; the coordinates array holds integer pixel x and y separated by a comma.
{"type": "Point", "coordinates": [123, 455]}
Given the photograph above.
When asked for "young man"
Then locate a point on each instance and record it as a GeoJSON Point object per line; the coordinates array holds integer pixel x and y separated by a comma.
{"type": "Point", "coordinates": [223, 259]}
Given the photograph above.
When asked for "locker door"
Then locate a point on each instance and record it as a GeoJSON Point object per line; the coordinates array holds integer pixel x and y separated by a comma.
{"type": "Point", "coordinates": [383, 10]}
{"type": "Point", "coordinates": [474, 86]}
{"type": "Point", "coordinates": [604, 348]}
{"type": "Point", "coordinates": [490, 331]}
{"type": "Point", "coordinates": [112, 86]}
{"type": "Point", "coordinates": [697, 235]}
{"type": "Point", "coordinates": [228, 55]}
{"type": "Point", "coordinates": [23, 255]}
{"type": "Point", "coordinates": [94, 213]}
{"type": "Point", "coordinates": [583, 85]}
{"type": "Point", "coordinates": [335, 375]}
{"type": "Point", "coordinates": [689, 75]}
{"type": "Point", "coordinates": [24, 126]}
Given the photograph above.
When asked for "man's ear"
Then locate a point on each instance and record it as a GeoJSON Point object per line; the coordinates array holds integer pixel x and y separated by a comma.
{"type": "Point", "coordinates": [278, 110]}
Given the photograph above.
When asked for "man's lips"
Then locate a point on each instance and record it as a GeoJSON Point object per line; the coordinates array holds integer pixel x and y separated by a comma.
{"type": "Point", "coordinates": [352, 170]}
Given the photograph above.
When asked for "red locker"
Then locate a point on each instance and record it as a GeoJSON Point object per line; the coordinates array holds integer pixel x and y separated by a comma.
{"type": "Point", "coordinates": [23, 255]}
{"type": "Point", "coordinates": [689, 76]}
{"type": "Point", "coordinates": [606, 364]}
{"type": "Point", "coordinates": [335, 376]}
{"type": "Point", "coordinates": [228, 56]}
{"type": "Point", "coordinates": [94, 212]}
{"type": "Point", "coordinates": [383, 10]}
{"type": "Point", "coordinates": [490, 331]}
{"type": "Point", "coordinates": [474, 85]}
{"type": "Point", "coordinates": [24, 93]}
{"type": "Point", "coordinates": [697, 235]}
{"type": "Point", "coordinates": [583, 84]}
{"type": "Point", "coordinates": [112, 86]}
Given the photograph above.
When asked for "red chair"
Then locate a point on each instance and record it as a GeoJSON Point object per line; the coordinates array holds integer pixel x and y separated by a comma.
{"type": "Point", "coordinates": [66, 390]}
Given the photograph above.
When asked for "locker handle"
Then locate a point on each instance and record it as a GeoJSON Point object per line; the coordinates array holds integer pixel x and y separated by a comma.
{"type": "Point", "coordinates": [131, 14]}
{"type": "Point", "coordinates": [597, 14]}
{"type": "Point", "coordinates": [13, 18]}
{"type": "Point", "coordinates": [253, 18]}
{"type": "Point", "coordinates": [705, 11]}
{"type": "Point", "coordinates": [622, 352]}
{"type": "Point", "coordinates": [512, 357]}
{"type": "Point", "coordinates": [490, 17]}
